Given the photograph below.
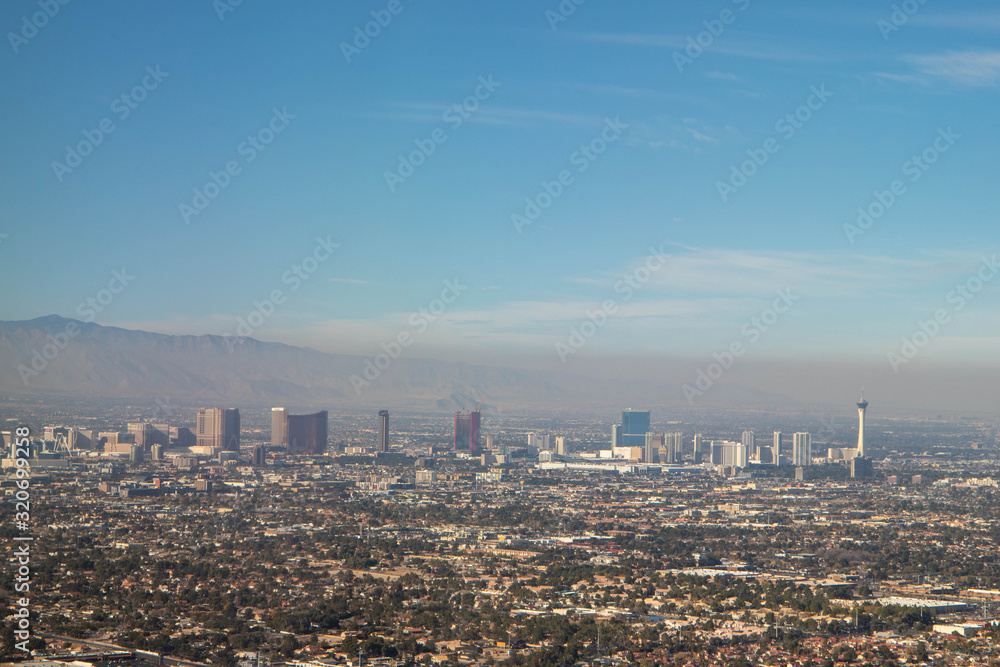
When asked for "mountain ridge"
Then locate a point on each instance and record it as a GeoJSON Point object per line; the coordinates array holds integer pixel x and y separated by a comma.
{"type": "Point", "coordinates": [57, 356]}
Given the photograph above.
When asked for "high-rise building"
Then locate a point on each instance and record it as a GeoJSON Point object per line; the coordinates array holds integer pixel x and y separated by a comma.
{"type": "Point", "coordinates": [862, 407]}
{"type": "Point", "coordinates": [258, 455]}
{"type": "Point", "coordinates": [729, 453]}
{"type": "Point", "coordinates": [383, 431]}
{"type": "Point", "coordinates": [750, 443]}
{"type": "Point", "coordinates": [542, 443]}
{"type": "Point", "coordinates": [219, 428]}
{"type": "Point", "coordinates": [776, 449]}
{"type": "Point", "coordinates": [861, 467]}
{"type": "Point", "coordinates": [307, 434]}
{"type": "Point", "coordinates": [83, 438]}
{"type": "Point", "coordinates": [699, 453]}
{"type": "Point", "coordinates": [279, 427]}
{"type": "Point", "coordinates": [147, 434]}
{"type": "Point", "coordinates": [717, 452]}
{"type": "Point", "coordinates": [467, 432]}
{"type": "Point", "coordinates": [654, 443]}
{"type": "Point", "coordinates": [635, 426]}
{"type": "Point", "coordinates": [142, 432]}
{"type": "Point", "coordinates": [157, 452]}
{"type": "Point", "coordinates": [116, 442]}
{"type": "Point", "coordinates": [181, 436]}
{"type": "Point", "coordinates": [801, 449]}
{"type": "Point", "coordinates": [616, 435]}
{"type": "Point", "coordinates": [561, 445]}
{"type": "Point", "coordinates": [673, 443]}
{"type": "Point", "coordinates": [135, 455]}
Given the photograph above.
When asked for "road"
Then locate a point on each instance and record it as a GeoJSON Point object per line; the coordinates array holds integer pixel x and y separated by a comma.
{"type": "Point", "coordinates": [104, 646]}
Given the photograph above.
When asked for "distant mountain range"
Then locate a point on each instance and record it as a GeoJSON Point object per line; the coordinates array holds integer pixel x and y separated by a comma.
{"type": "Point", "coordinates": [57, 357]}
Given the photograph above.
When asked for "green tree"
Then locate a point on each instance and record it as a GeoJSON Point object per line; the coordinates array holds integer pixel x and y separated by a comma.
{"type": "Point", "coordinates": [289, 645]}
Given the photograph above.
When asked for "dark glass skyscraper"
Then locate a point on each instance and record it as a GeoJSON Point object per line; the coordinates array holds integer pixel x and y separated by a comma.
{"type": "Point", "coordinates": [383, 431]}
{"type": "Point", "coordinates": [467, 431]}
{"type": "Point", "coordinates": [307, 433]}
{"type": "Point", "coordinates": [635, 426]}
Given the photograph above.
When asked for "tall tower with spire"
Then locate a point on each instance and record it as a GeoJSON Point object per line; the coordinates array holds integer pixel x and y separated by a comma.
{"type": "Point", "coordinates": [862, 406]}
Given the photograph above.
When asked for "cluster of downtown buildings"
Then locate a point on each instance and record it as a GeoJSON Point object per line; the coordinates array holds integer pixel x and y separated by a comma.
{"type": "Point", "coordinates": [216, 435]}
{"type": "Point", "coordinates": [633, 440]}
{"type": "Point", "coordinates": [633, 444]}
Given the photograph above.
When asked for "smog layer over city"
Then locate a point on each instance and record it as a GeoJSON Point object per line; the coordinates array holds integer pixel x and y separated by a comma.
{"type": "Point", "coordinates": [564, 333]}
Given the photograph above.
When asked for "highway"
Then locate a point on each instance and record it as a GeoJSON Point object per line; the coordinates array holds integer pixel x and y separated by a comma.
{"type": "Point", "coordinates": [112, 648]}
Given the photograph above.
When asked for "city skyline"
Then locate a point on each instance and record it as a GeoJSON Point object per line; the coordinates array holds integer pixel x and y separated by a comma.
{"type": "Point", "coordinates": [566, 306]}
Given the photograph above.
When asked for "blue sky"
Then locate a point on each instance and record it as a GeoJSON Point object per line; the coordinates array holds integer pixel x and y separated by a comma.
{"type": "Point", "coordinates": [891, 95]}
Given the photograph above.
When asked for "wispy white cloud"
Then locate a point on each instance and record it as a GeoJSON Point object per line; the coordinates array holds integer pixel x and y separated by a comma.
{"type": "Point", "coordinates": [901, 78]}
{"type": "Point", "coordinates": [734, 273]}
{"type": "Point", "coordinates": [630, 39]}
{"type": "Point", "coordinates": [492, 115]}
{"type": "Point", "coordinates": [515, 116]}
{"type": "Point", "coordinates": [698, 295]}
{"type": "Point", "coordinates": [974, 69]}
{"type": "Point", "coordinates": [721, 76]}
{"type": "Point", "coordinates": [433, 113]}
{"type": "Point", "coordinates": [350, 281]}
{"type": "Point", "coordinates": [987, 20]}
{"type": "Point", "coordinates": [698, 136]}
{"type": "Point", "coordinates": [686, 134]}
{"type": "Point", "coordinates": [722, 46]}
{"type": "Point", "coordinates": [639, 93]}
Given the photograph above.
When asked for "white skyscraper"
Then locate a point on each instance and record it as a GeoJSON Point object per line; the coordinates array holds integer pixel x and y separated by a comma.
{"type": "Point", "coordinates": [750, 445]}
{"type": "Point", "coordinates": [698, 447]}
{"type": "Point", "coordinates": [776, 449]}
{"type": "Point", "coordinates": [542, 443]}
{"type": "Point", "coordinates": [674, 444]}
{"type": "Point", "coordinates": [801, 449]}
{"type": "Point", "coordinates": [729, 453]}
{"type": "Point", "coordinates": [651, 452]}
{"type": "Point", "coordinates": [862, 406]}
